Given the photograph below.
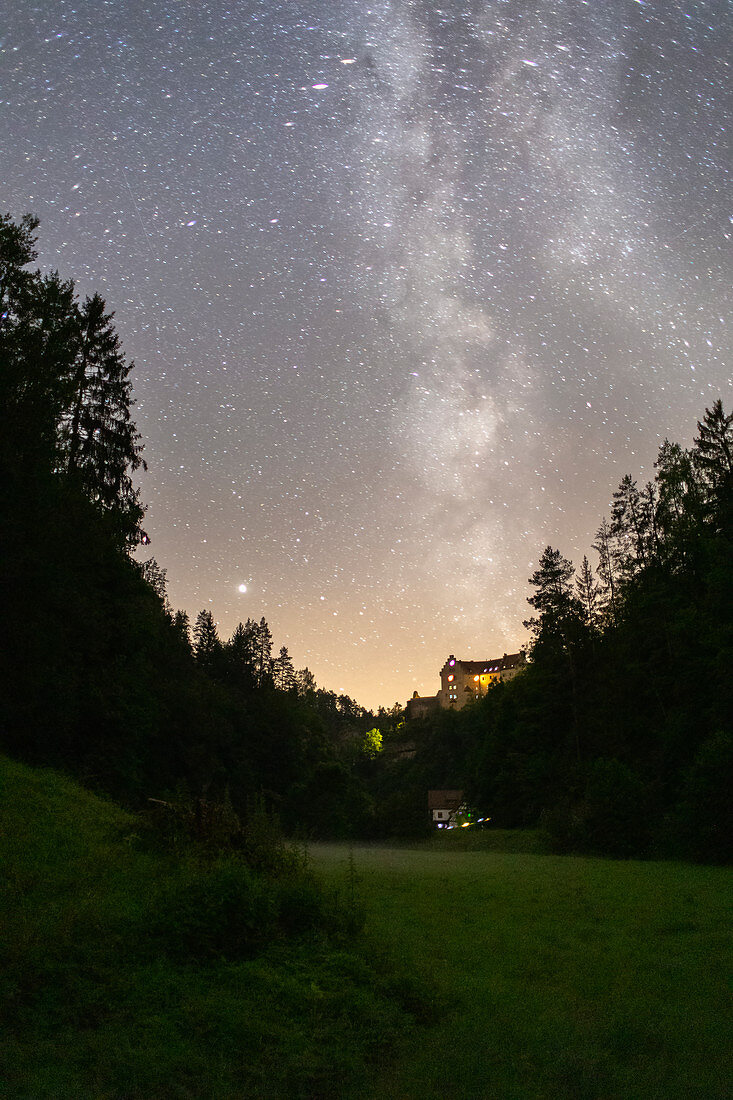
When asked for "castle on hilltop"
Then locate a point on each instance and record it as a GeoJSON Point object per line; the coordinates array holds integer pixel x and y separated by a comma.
{"type": "Point", "coordinates": [463, 681]}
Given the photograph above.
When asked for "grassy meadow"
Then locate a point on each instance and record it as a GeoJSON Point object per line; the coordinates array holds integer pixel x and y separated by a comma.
{"type": "Point", "coordinates": [127, 972]}
{"type": "Point", "coordinates": [551, 976]}
{"type": "Point", "coordinates": [485, 968]}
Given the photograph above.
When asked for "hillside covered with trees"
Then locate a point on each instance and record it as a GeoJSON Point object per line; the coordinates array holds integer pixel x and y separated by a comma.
{"type": "Point", "coordinates": [617, 736]}
{"type": "Point", "coordinates": [101, 677]}
{"type": "Point", "coordinates": [188, 949]}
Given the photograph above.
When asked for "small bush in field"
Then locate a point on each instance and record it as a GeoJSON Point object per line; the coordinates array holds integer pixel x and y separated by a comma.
{"type": "Point", "coordinates": [262, 843]}
{"type": "Point", "coordinates": [301, 905]}
{"type": "Point", "coordinates": [223, 911]}
{"type": "Point", "coordinates": [182, 820]}
{"type": "Point", "coordinates": [214, 828]}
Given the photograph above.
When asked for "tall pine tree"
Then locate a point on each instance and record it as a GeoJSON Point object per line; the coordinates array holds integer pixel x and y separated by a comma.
{"type": "Point", "coordinates": [713, 456]}
{"type": "Point", "coordinates": [554, 600]}
{"type": "Point", "coordinates": [65, 392]}
{"type": "Point", "coordinates": [206, 643]}
{"type": "Point", "coordinates": [100, 444]}
{"type": "Point", "coordinates": [590, 597]}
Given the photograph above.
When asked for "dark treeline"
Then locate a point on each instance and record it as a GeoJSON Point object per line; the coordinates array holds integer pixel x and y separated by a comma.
{"type": "Point", "coordinates": [99, 676]}
{"type": "Point", "coordinates": [617, 736]}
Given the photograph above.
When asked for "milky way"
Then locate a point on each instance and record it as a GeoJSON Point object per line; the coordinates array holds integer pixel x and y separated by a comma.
{"type": "Point", "coordinates": [409, 288]}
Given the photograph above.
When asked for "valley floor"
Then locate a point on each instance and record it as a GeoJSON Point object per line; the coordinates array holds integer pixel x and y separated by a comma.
{"type": "Point", "coordinates": [550, 976]}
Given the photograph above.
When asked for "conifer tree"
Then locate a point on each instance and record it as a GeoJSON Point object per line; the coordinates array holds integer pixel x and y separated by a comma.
{"type": "Point", "coordinates": [606, 568]}
{"type": "Point", "coordinates": [554, 599]}
{"type": "Point", "coordinates": [17, 250]}
{"type": "Point", "coordinates": [630, 528]}
{"type": "Point", "coordinates": [262, 654]}
{"type": "Point", "coordinates": [650, 504]}
{"type": "Point", "coordinates": [37, 346]}
{"type": "Point", "coordinates": [589, 595]}
{"type": "Point", "coordinates": [156, 577]}
{"type": "Point", "coordinates": [182, 627]}
{"type": "Point", "coordinates": [714, 444]}
{"type": "Point", "coordinates": [100, 444]}
{"type": "Point", "coordinates": [305, 681]}
{"type": "Point", "coordinates": [206, 644]}
{"type": "Point", "coordinates": [283, 672]}
{"type": "Point", "coordinates": [64, 387]}
{"type": "Point", "coordinates": [713, 456]}
{"type": "Point", "coordinates": [241, 654]}
{"type": "Point", "coordinates": [679, 494]}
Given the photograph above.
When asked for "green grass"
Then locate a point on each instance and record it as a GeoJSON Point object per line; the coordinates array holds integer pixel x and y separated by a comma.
{"type": "Point", "coordinates": [532, 976]}
{"type": "Point", "coordinates": [473, 839]}
{"type": "Point", "coordinates": [108, 990]}
{"type": "Point", "coordinates": [553, 976]}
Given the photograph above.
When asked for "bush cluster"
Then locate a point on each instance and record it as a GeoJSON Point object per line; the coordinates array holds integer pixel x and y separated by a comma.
{"type": "Point", "coordinates": [228, 911]}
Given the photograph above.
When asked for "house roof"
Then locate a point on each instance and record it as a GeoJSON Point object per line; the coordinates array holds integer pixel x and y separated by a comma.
{"type": "Point", "coordinates": [444, 800]}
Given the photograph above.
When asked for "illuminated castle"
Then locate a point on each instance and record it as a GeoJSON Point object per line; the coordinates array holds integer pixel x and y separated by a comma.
{"type": "Point", "coordinates": [463, 681]}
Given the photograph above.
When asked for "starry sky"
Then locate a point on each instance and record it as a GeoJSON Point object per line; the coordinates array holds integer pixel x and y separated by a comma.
{"type": "Point", "coordinates": [409, 287]}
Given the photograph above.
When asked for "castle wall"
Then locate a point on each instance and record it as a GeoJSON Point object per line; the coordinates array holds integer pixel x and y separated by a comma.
{"type": "Point", "coordinates": [462, 682]}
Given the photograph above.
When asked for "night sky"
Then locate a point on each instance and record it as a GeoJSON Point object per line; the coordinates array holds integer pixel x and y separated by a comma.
{"type": "Point", "coordinates": [409, 288]}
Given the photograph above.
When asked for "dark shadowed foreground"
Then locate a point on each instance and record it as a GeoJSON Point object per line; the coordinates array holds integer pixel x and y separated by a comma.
{"type": "Point", "coordinates": [133, 972]}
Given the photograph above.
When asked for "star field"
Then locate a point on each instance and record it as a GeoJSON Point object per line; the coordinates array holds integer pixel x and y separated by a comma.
{"type": "Point", "coordinates": [409, 288]}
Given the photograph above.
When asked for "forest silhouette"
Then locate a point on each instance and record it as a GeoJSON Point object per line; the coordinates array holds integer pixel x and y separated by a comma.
{"type": "Point", "coordinates": [615, 738]}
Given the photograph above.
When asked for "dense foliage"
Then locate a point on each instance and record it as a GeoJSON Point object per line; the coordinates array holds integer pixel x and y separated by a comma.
{"type": "Point", "coordinates": [617, 736]}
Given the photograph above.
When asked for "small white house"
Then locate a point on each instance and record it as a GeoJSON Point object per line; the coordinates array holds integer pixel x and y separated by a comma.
{"type": "Point", "coordinates": [444, 806]}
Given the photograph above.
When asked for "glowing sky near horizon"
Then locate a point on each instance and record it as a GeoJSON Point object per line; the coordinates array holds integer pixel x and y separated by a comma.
{"type": "Point", "coordinates": [409, 288]}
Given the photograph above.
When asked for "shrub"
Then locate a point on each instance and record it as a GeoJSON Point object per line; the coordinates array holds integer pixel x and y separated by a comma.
{"type": "Point", "coordinates": [212, 829]}
{"type": "Point", "coordinates": [263, 845]}
{"type": "Point", "coordinates": [222, 911]}
{"type": "Point", "coordinates": [301, 905]}
{"type": "Point", "coordinates": [180, 821]}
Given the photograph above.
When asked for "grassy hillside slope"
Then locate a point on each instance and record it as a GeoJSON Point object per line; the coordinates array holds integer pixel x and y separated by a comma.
{"type": "Point", "coordinates": [127, 973]}
{"type": "Point", "coordinates": [554, 976]}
